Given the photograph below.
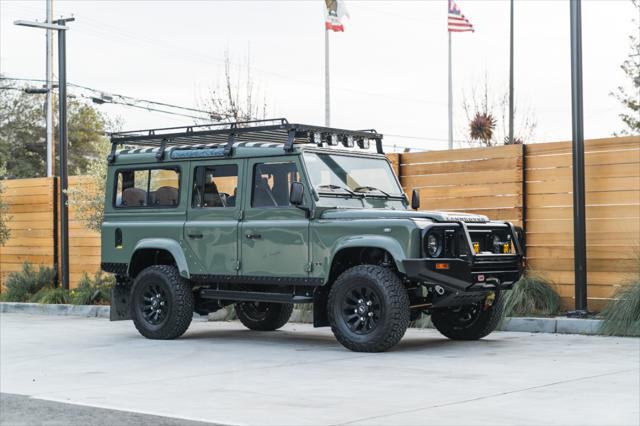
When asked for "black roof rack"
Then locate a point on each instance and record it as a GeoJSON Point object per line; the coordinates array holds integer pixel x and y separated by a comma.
{"type": "Point", "coordinates": [277, 130]}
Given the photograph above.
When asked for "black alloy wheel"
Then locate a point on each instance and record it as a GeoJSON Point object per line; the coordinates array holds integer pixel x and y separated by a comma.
{"type": "Point", "coordinates": [362, 309]}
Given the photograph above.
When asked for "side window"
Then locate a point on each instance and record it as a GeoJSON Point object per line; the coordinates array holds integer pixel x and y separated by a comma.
{"type": "Point", "coordinates": [147, 188]}
{"type": "Point", "coordinates": [271, 183]}
{"type": "Point", "coordinates": [215, 186]}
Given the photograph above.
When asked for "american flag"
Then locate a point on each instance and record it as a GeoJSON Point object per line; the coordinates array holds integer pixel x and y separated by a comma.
{"type": "Point", "coordinates": [457, 23]}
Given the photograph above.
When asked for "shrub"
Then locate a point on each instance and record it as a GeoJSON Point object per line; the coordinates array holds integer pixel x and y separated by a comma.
{"type": "Point", "coordinates": [22, 286]}
{"type": "Point", "coordinates": [51, 296]}
{"type": "Point", "coordinates": [532, 295]}
{"type": "Point", "coordinates": [96, 291]}
{"type": "Point", "coordinates": [622, 314]}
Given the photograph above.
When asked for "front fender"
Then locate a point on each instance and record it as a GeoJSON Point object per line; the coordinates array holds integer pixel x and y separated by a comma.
{"type": "Point", "coordinates": [172, 246]}
{"type": "Point", "coordinates": [377, 241]}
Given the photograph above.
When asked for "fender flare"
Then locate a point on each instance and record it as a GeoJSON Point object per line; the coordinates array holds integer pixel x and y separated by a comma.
{"type": "Point", "coordinates": [376, 241]}
{"type": "Point", "coordinates": [172, 246]}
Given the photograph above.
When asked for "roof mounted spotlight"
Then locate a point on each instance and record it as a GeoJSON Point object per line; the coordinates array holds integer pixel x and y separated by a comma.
{"type": "Point", "coordinates": [316, 138]}
{"type": "Point", "coordinates": [332, 139]}
{"type": "Point", "coordinates": [347, 141]}
{"type": "Point", "coordinates": [363, 143]}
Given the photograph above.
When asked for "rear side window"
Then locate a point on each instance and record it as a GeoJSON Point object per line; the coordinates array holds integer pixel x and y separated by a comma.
{"type": "Point", "coordinates": [147, 188]}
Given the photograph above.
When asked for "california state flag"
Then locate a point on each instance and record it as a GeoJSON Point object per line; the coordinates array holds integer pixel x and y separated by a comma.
{"type": "Point", "coordinates": [335, 11]}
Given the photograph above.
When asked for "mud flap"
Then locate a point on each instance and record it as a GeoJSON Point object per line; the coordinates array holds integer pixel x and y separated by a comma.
{"type": "Point", "coordinates": [120, 303]}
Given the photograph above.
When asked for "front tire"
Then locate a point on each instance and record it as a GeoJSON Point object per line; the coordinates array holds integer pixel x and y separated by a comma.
{"type": "Point", "coordinates": [469, 322]}
{"type": "Point", "coordinates": [368, 309]}
{"type": "Point", "coordinates": [162, 303]}
{"type": "Point", "coordinates": [263, 316]}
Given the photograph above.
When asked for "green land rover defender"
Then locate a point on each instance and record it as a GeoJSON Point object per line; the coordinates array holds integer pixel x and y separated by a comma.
{"type": "Point", "coordinates": [266, 214]}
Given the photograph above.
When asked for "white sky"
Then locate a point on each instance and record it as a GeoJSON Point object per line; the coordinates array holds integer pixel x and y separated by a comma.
{"type": "Point", "coordinates": [389, 68]}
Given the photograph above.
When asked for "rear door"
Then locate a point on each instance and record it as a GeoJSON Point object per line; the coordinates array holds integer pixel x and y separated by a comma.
{"type": "Point", "coordinates": [274, 234]}
{"type": "Point", "coordinates": [211, 230]}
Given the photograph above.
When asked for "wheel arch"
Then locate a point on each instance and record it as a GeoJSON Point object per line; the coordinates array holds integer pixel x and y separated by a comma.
{"type": "Point", "coordinates": [150, 251]}
{"type": "Point", "coordinates": [343, 256]}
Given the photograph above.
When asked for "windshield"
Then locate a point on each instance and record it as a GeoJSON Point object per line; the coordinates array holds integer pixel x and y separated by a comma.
{"type": "Point", "coordinates": [349, 174]}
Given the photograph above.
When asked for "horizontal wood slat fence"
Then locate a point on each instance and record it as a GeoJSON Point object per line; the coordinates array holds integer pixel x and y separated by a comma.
{"type": "Point", "coordinates": [529, 185]}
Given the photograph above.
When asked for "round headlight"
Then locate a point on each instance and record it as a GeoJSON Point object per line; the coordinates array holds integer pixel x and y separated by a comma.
{"type": "Point", "coordinates": [434, 245]}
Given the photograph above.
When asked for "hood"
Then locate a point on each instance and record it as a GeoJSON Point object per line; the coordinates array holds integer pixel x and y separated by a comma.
{"type": "Point", "coordinates": [436, 216]}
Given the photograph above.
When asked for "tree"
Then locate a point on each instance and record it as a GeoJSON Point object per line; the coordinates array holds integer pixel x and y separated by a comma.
{"type": "Point", "coordinates": [488, 118]}
{"type": "Point", "coordinates": [23, 133]}
{"type": "Point", "coordinates": [237, 98]}
{"type": "Point", "coordinates": [631, 101]}
{"type": "Point", "coordinates": [5, 232]}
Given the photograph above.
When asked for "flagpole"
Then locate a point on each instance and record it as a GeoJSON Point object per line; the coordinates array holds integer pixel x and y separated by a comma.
{"type": "Point", "coordinates": [450, 98]}
{"type": "Point", "coordinates": [327, 91]}
{"type": "Point", "coordinates": [511, 106]}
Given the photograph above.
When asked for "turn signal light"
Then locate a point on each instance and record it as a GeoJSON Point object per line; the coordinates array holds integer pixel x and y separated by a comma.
{"type": "Point", "coordinates": [476, 248]}
{"type": "Point", "coordinates": [506, 248]}
{"type": "Point", "coordinates": [442, 266]}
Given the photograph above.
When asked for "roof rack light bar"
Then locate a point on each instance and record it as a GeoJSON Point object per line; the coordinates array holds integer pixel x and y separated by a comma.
{"type": "Point", "coordinates": [277, 130]}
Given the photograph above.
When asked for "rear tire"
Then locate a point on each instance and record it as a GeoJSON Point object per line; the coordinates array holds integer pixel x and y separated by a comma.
{"type": "Point", "coordinates": [368, 309]}
{"type": "Point", "coordinates": [161, 303]}
{"type": "Point", "coordinates": [263, 316]}
{"type": "Point", "coordinates": [469, 322]}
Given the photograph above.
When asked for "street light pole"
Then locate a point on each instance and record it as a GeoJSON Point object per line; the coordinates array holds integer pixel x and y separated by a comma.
{"type": "Point", "coordinates": [64, 182]}
{"type": "Point", "coordinates": [579, 228]}
{"type": "Point", "coordinates": [59, 26]}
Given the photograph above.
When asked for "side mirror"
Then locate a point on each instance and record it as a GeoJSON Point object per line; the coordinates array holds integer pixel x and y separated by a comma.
{"type": "Point", "coordinates": [415, 199]}
{"type": "Point", "coordinates": [296, 193]}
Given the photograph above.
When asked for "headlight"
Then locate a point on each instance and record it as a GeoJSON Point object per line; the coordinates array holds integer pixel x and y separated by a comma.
{"type": "Point", "coordinates": [434, 245]}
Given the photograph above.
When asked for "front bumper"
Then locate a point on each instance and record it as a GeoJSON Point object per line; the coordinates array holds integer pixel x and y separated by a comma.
{"type": "Point", "coordinates": [483, 272]}
{"type": "Point", "coordinates": [471, 272]}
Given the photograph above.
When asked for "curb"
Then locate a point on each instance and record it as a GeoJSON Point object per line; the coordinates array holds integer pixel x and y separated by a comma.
{"type": "Point", "coordinates": [96, 311]}
{"type": "Point", "coordinates": [558, 325]}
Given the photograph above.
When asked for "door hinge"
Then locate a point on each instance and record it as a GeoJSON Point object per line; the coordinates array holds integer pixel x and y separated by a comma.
{"type": "Point", "coordinates": [309, 267]}
{"type": "Point", "coordinates": [237, 265]}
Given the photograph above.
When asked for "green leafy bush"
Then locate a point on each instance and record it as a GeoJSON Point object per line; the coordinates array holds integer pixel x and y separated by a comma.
{"type": "Point", "coordinates": [93, 291]}
{"type": "Point", "coordinates": [532, 295]}
{"type": "Point", "coordinates": [50, 295]}
{"type": "Point", "coordinates": [22, 286]}
{"type": "Point", "coordinates": [622, 314]}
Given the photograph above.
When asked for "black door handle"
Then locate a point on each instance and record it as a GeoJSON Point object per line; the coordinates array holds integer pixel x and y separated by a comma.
{"type": "Point", "coordinates": [253, 236]}
{"type": "Point", "coordinates": [195, 236]}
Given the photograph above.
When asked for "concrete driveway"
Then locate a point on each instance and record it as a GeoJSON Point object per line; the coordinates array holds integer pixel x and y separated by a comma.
{"type": "Point", "coordinates": [223, 373]}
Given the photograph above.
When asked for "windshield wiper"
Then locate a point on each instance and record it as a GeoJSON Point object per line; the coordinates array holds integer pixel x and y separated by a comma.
{"type": "Point", "coordinates": [362, 189]}
{"type": "Point", "coordinates": [333, 187]}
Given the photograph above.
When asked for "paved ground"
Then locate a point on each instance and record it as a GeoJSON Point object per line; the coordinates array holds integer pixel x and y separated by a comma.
{"type": "Point", "coordinates": [222, 373]}
{"type": "Point", "coordinates": [23, 410]}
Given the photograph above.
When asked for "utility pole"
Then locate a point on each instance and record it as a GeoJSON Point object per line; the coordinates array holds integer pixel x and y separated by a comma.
{"type": "Point", "coordinates": [579, 228]}
{"type": "Point", "coordinates": [49, 84]}
{"type": "Point", "coordinates": [450, 97]}
{"type": "Point", "coordinates": [59, 26]}
{"type": "Point", "coordinates": [511, 76]}
{"type": "Point", "coordinates": [327, 82]}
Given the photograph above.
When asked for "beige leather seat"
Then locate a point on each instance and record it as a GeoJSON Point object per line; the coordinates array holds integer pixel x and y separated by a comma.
{"type": "Point", "coordinates": [134, 197]}
{"type": "Point", "coordinates": [166, 196]}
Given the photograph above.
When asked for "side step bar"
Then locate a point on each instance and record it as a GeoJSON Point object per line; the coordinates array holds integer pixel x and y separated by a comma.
{"type": "Point", "coordinates": [253, 296]}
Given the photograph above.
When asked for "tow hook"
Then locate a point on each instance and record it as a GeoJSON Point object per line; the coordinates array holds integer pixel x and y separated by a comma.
{"type": "Point", "coordinates": [488, 302]}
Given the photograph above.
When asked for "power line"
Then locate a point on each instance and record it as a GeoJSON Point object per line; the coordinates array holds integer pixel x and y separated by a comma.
{"type": "Point", "coordinates": [123, 101]}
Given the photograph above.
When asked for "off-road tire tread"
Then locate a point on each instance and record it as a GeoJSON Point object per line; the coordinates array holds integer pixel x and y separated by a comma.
{"type": "Point", "coordinates": [397, 320]}
{"type": "Point", "coordinates": [182, 305]}
{"type": "Point", "coordinates": [478, 330]}
{"type": "Point", "coordinates": [277, 317]}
